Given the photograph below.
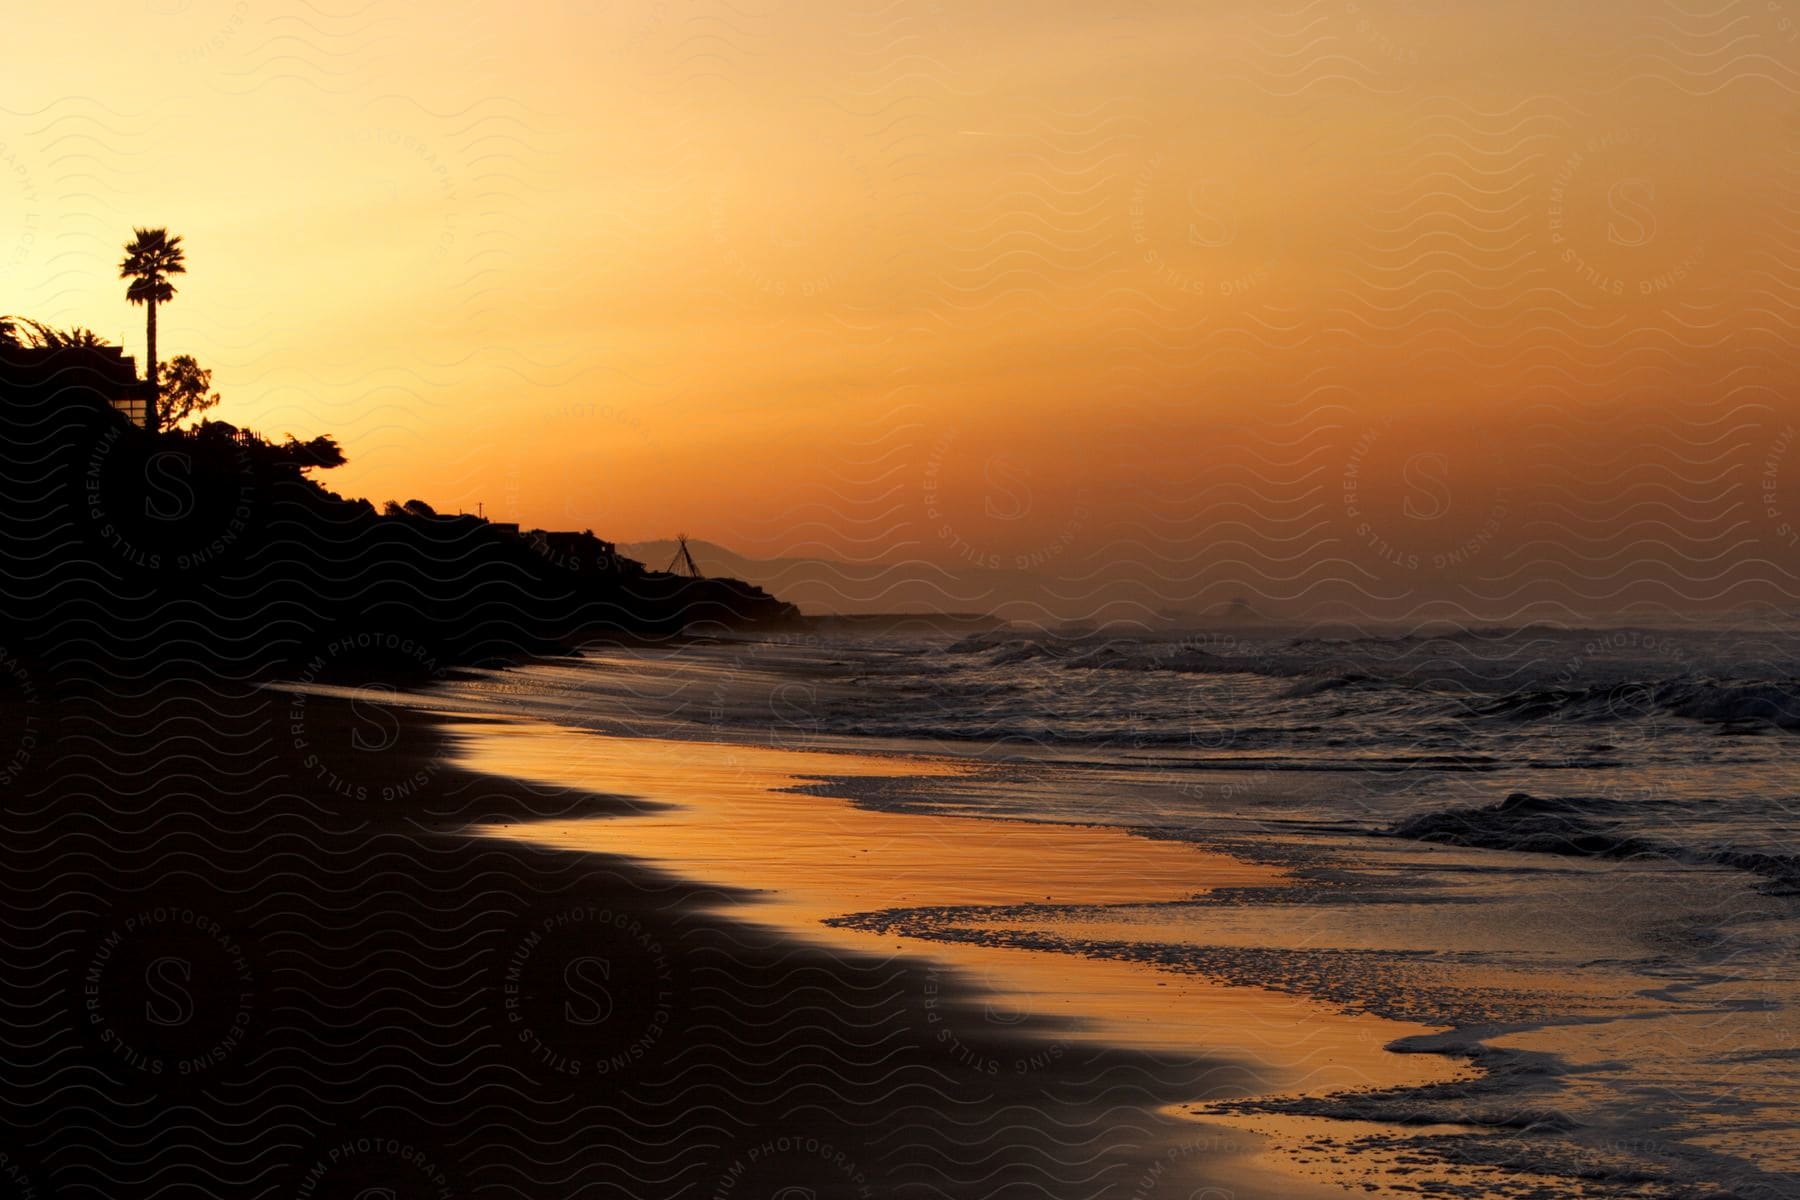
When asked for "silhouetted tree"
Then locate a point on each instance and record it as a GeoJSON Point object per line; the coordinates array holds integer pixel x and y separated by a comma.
{"type": "Point", "coordinates": [323, 451]}
{"type": "Point", "coordinates": [150, 258]}
{"type": "Point", "coordinates": [186, 388]}
{"type": "Point", "coordinates": [213, 439]}
{"type": "Point", "coordinates": [76, 339]}
{"type": "Point", "coordinates": [18, 332]}
{"type": "Point", "coordinates": [23, 332]}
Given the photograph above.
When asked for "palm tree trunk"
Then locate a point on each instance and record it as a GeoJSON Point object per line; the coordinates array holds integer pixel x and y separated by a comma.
{"type": "Point", "coordinates": [150, 372]}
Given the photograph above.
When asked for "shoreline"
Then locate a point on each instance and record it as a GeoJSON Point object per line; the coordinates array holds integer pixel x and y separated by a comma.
{"type": "Point", "coordinates": [391, 1002]}
{"type": "Point", "coordinates": [1520, 1009]}
{"type": "Point", "coordinates": [335, 851]}
{"type": "Point", "coordinates": [800, 857]}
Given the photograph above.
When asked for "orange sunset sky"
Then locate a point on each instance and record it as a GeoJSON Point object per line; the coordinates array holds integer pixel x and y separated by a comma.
{"type": "Point", "coordinates": [1396, 306]}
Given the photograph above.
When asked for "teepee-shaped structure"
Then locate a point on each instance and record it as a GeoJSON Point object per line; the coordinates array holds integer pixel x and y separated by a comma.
{"type": "Point", "coordinates": [683, 562]}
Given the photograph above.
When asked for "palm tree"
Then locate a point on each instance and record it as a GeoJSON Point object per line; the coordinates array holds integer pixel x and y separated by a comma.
{"type": "Point", "coordinates": [150, 259]}
{"type": "Point", "coordinates": [77, 338]}
{"type": "Point", "coordinates": [25, 333]}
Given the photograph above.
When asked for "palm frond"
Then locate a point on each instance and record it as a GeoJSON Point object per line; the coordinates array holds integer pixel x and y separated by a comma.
{"type": "Point", "coordinates": [153, 254]}
{"type": "Point", "coordinates": [24, 332]}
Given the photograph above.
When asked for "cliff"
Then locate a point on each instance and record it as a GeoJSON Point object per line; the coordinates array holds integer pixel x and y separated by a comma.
{"type": "Point", "coordinates": [214, 551]}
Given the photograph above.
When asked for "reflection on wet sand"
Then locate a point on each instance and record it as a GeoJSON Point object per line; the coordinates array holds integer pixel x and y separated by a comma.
{"type": "Point", "coordinates": [728, 815]}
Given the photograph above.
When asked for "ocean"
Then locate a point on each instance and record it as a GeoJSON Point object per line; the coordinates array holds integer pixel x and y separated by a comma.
{"type": "Point", "coordinates": [1570, 857]}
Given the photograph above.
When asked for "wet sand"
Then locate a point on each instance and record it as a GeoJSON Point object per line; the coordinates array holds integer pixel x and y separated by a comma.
{"type": "Point", "coordinates": [255, 950]}
{"type": "Point", "coordinates": [798, 860]}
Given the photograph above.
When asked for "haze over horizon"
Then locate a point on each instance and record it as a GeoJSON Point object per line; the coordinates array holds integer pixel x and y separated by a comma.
{"type": "Point", "coordinates": [1376, 307]}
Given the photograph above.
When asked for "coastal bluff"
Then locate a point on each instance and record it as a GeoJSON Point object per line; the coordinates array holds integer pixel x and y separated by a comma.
{"type": "Point", "coordinates": [215, 551]}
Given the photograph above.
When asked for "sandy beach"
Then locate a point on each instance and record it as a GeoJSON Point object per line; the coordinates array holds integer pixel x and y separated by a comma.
{"type": "Point", "coordinates": [798, 861]}
{"type": "Point", "coordinates": [393, 1000]}
{"type": "Point", "coordinates": [1549, 997]}
{"type": "Point", "coordinates": [510, 931]}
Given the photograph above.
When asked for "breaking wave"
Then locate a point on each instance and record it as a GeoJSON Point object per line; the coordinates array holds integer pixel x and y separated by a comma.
{"type": "Point", "coordinates": [1584, 827]}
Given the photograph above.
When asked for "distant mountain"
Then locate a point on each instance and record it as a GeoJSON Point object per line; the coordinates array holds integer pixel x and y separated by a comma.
{"type": "Point", "coordinates": [1236, 611]}
{"type": "Point", "coordinates": [955, 596]}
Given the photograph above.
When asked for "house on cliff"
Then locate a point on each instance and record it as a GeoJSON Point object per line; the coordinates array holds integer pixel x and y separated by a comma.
{"type": "Point", "coordinates": [76, 374]}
